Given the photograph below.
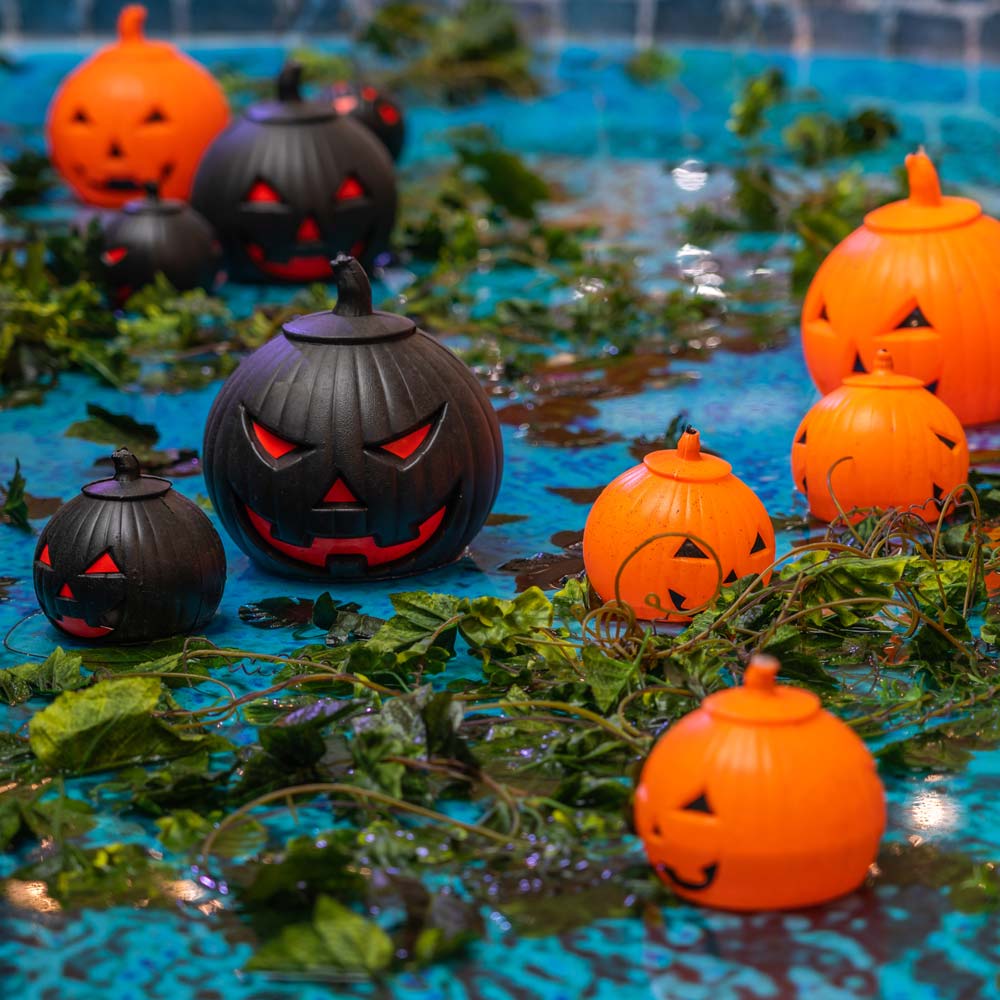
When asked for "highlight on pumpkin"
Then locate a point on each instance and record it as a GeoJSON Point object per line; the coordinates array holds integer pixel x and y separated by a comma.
{"type": "Point", "coordinates": [754, 759]}
{"type": "Point", "coordinates": [665, 536]}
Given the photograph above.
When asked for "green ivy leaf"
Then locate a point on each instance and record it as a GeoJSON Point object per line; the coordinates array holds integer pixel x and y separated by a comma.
{"type": "Point", "coordinates": [109, 724]}
{"type": "Point", "coordinates": [59, 671]}
{"type": "Point", "coordinates": [15, 505]}
{"type": "Point", "coordinates": [605, 677]}
{"type": "Point", "coordinates": [352, 942]}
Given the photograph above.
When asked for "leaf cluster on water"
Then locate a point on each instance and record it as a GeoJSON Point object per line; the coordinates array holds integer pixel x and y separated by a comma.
{"type": "Point", "coordinates": [508, 785]}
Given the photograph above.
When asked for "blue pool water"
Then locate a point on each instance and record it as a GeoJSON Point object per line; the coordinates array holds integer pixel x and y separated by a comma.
{"type": "Point", "coordinates": [608, 142]}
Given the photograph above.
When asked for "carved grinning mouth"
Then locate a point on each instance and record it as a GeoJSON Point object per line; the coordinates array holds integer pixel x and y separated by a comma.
{"type": "Point", "coordinates": [80, 627]}
{"type": "Point", "coordinates": [323, 549]}
{"type": "Point", "coordinates": [708, 877]}
{"type": "Point", "coordinates": [128, 183]}
{"type": "Point", "coordinates": [301, 267]}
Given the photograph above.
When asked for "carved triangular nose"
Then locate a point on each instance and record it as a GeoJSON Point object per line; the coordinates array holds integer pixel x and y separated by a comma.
{"type": "Point", "coordinates": [308, 231]}
{"type": "Point", "coordinates": [64, 591]}
{"type": "Point", "coordinates": [115, 150]}
{"type": "Point", "coordinates": [339, 493]}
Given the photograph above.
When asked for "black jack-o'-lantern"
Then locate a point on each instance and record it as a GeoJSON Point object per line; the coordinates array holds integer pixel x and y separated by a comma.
{"type": "Point", "coordinates": [374, 109]}
{"type": "Point", "coordinates": [291, 184]}
{"type": "Point", "coordinates": [152, 235]}
{"type": "Point", "coordinates": [129, 560]}
{"type": "Point", "coordinates": [352, 446]}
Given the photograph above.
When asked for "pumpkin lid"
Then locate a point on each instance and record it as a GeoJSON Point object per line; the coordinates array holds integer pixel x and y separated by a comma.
{"type": "Point", "coordinates": [686, 462]}
{"type": "Point", "coordinates": [352, 320]}
{"type": "Point", "coordinates": [760, 700]}
{"type": "Point", "coordinates": [882, 375]}
{"type": "Point", "coordinates": [132, 44]}
{"type": "Point", "coordinates": [153, 204]}
{"type": "Point", "coordinates": [289, 108]}
{"type": "Point", "coordinates": [926, 210]}
{"type": "Point", "coordinates": [128, 482]}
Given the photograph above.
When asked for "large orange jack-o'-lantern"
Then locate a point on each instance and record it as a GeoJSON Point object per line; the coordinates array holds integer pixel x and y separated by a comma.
{"type": "Point", "coordinates": [135, 113]}
{"type": "Point", "coordinates": [920, 278]}
{"type": "Point", "coordinates": [674, 529]}
{"type": "Point", "coordinates": [880, 440]}
{"type": "Point", "coordinates": [760, 800]}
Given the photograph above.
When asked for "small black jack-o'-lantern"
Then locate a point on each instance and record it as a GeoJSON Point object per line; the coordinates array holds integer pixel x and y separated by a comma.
{"type": "Point", "coordinates": [129, 560]}
{"type": "Point", "coordinates": [374, 109]}
{"type": "Point", "coordinates": [352, 446]}
{"type": "Point", "coordinates": [152, 235]}
{"type": "Point", "coordinates": [291, 184]}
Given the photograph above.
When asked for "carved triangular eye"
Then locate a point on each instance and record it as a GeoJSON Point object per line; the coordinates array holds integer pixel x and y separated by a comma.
{"type": "Point", "coordinates": [45, 558]}
{"type": "Point", "coordinates": [388, 114]}
{"type": "Point", "coordinates": [81, 117]}
{"type": "Point", "coordinates": [938, 492]}
{"type": "Point", "coordinates": [677, 598]}
{"type": "Point", "coordinates": [699, 804]}
{"type": "Point", "coordinates": [103, 564]}
{"type": "Point", "coordinates": [947, 442]}
{"type": "Point", "coordinates": [801, 439]}
{"type": "Point", "coordinates": [913, 319]}
{"type": "Point", "coordinates": [350, 189]}
{"type": "Point", "coordinates": [758, 543]}
{"type": "Point", "coordinates": [155, 116]}
{"type": "Point", "coordinates": [690, 551]}
{"type": "Point", "coordinates": [859, 365]}
{"type": "Point", "coordinates": [406, 446]}
{"type": "Point", "coordinates": [261, 191]}
{"type": "Point", "coordinates": [275, 445]}
{"type": "Point", "coordinates": [823, 314]}
{"type": "Point", "coordinates": [732, 578]}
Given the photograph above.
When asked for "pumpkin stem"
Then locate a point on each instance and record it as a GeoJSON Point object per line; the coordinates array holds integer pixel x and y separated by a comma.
{"type": "Point", "coordinates": [130, 22]}
{"type": "Point", "coordinates": [761, 673]}
{"type": "Point", "coordinates": [290, 82]}
{"type": "Point", "coordinates": [689, 445]}
{"type": "Point", "coordinates": [883, 361]}
{"type": "Point", "coordinates": [354, 292]}
{"type": "Point", "coordinates": [925, 188]}
{"type": "Point", "coordinates": [126, 466]}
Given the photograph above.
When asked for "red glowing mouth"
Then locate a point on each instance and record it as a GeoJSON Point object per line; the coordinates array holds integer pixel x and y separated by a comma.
{"type": "Point", "coordinates": [322, 549]}
{"type": "Point", "coordinates": [307, 267]}
{"type": "Point", "coordinates": [79, 628]}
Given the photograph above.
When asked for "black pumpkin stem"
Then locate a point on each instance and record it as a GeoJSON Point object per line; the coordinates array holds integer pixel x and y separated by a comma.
{"type": "Point", "coordinates": [354, 292]}
{"type": "Point", "coordinates": [126, 466]}
{"type": "Point", "coordinates": [290, 82]}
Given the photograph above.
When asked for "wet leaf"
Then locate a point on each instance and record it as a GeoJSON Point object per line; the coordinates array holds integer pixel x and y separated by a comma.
{"type": "Point", "coordinates": [59, 671]}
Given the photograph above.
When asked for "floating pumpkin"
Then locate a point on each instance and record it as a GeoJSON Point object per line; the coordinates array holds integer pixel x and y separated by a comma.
{"type": "Point", "coordinates": [352, 445]}
{"type": "Point", "coordinates": [155, 235]}
{"type": "Point", "coordinates": [135, 112]}
{"type": "Point", "coordinates": [880, 440]}
{"type": "Point", "coordinates": [676, 527]}
{"type": "Point", "coordinates": [918, 278]}
{"type": "Point", "coordinates": [291, 184]}
{"type": "Point", "coordinates": [760, 800]}
{"type": "Point", "coordinates": [129, 560]}
{"type": "Point", "coordinates": [374, 109]}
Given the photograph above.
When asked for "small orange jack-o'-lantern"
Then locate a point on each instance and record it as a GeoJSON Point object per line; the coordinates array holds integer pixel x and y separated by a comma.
{"type": "Point", "coordinates": [880, 440]}
{"type": "Point", "coordinates": [676, 527]}
{"type": "Point", "coordinates": [760, 800]}
{"type": "Point", "coordinates": [137, 112]}
{"type": "Point", "coordinates": [919, 278]}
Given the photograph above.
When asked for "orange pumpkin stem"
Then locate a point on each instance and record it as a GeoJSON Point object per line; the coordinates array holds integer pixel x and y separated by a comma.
{"type": "Point", "coordinates": [761, 673]}
{"type": "Point", "coordinates": [883, 361]}
{"type": "Point", "coordinates": [925, 188]}
{"type": "Point", "coordinates": [689, 446]}
{"type": "Point", "coordinates": [130, 22]}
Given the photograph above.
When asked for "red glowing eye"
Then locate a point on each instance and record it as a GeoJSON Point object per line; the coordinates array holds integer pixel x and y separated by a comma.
{"type": "Point", "coordinates": [114, 256]}
{"type": "Point", "coordinates": [275, 446]}
{"type": "Point", "coordinates": [263, 192]}
{"type": "Point", "coordinates": [44, 557]}
{"type": "Point", "coordinates": [388, 114]}
{"type": "Point", "coordinates": [405, 446]}
{"type": "Point", "coordinates": [103, 564]}
{"type": "Point", "coordinates": [350, 189]}
{"type": "Point", "coordinates": [369, 93]}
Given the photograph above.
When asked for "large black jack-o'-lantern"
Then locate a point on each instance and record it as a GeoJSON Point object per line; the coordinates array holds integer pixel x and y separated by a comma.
{"type": "Point", "coordinates": [291, 184]}
{"type": "Point", "coordinates": [352, 446]}
{"type": "Point", "coordinates": [152, 235]}
{"type": "Point", "coordinates": [374, 109]}
{"type": "Point", "coordinates": [129, 560]}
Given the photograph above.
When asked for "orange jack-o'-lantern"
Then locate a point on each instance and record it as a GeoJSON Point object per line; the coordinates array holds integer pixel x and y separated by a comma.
{"type": "Point", "coordinates": [880, 440]}
{"type": "Point", "coordinates": [135, 113]}
{"type": "Point", "coordinates": [760, 800]}
{"type": "Point", "coordinates": [665, 535]}
{"type": "Point", "coordinates": [919, 278]}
